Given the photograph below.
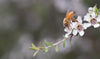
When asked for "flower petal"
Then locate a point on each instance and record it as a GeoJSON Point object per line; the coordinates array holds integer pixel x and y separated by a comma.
{"type": "Point", "coordinates": [79, 18]}
{"type": "Point", "coordinates": [98, 18]}
{"type": "Point", "coordinates": [66, 29]}
{"type": "Point", "coordinates": [94, 9]}
{"type": "Point", "coordinates": [87, 17]}
{"type": "Point", "coordinates": [81, 33]}
{"type": "Point", "coordinates": [93, 14]}
{"type": "Point", "coordinates": [74, 24]}
{"type": "Point", "coordinates": [90, 9]}
{"type": "Point", "coordinates": [86, 25]}
{"type": "Point", "coordinates": [96, 25]}
{"type": "Point", "coordinates": [67, 34]}
{"type": "Point", "coordinates": [75, 32]}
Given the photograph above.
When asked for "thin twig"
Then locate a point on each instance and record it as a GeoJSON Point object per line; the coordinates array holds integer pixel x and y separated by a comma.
{"type": "Point", "coordinates": [57, 43]}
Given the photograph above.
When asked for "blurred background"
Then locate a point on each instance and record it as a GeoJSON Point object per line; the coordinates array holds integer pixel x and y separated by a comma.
{"type": "Point", "coordinates": [23, 22]}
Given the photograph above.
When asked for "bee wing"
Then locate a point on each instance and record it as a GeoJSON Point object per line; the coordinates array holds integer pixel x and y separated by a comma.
{"type": "Point", "coordinates": [67, 11]}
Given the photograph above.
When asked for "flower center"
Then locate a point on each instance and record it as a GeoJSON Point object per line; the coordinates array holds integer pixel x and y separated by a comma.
{"type": "Point", "coordinates": [93, 21]}
{"type": "Point", "coordinates": [80, 27]}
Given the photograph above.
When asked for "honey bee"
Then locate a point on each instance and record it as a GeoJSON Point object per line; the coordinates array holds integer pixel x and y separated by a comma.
{"type": "Point", "coordinates": [68, 19]}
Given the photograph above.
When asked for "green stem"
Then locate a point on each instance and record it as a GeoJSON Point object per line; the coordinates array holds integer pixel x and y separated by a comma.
{"type": "Point", "coordinates": [57, 43]}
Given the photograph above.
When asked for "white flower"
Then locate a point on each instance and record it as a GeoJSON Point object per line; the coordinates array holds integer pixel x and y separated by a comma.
{"type": "Point", "coordinates": [91, 17]}
{"type": "Point", "coordinates": [78, 27]}
{"type": "Point", "coordinates": [92, 20]}
{"type": "Point", "coordinates": [91, 12]}
{"type": "Point", "coordinates": [91, 9]}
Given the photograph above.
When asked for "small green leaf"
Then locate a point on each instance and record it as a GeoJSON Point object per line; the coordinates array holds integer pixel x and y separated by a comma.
{"type": "Point", "coordinates": [64, 44]}
{"type": "Point", "coordinates": [47, 43]}
{"type": "Point", "coordinates": [96, 10]}
{"type": "Point", "coordinates": [35, 53]}
{"type": "Point", "coordinates": [33, 47]}
{"type": "Point", "coordinates": [56, 48]}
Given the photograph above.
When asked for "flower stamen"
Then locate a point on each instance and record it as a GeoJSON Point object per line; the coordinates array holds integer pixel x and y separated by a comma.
{"type": "Point", "coordinates": [80, 27]}
{"type": "Point", "coordinates": [93, 21]}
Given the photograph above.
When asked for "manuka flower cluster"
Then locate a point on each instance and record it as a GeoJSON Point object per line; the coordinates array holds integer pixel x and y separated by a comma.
{"type": "Point", "coordinates": [73, 26]}
{"type": "Point", "coordinates": [92, 18]}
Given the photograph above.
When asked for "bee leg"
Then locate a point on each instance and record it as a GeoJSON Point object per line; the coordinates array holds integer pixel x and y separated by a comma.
{"type": "Point", "coordinates": [75, 19]}
{"type": "Point", "coordinates": [64, 22]}
{"type": "Point", "coordinates": [69, 24]}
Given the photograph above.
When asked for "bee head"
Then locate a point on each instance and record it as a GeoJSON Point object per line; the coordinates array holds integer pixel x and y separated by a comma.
{"type": "Point", "coordinates": [73, 12]}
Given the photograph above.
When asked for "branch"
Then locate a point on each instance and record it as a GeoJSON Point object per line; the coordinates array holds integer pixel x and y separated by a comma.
{"type": "Point", "coordinates": [48, 45]}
